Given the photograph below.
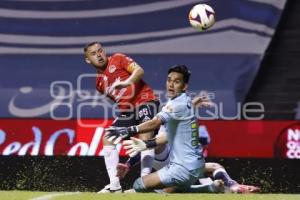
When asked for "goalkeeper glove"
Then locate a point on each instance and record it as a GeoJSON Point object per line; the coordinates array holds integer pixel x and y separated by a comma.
{"type": "Point", "coordinates": [135, 145]}
{"type": "Point", "coordinates": [117, 134]}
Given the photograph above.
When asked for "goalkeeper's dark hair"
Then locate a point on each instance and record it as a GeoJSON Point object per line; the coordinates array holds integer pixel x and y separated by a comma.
{"type": "Point", "coordinates": [182, 69]}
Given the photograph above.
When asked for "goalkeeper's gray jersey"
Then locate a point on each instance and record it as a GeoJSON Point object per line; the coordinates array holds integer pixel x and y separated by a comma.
{"type": "Point", "coordinates": [182, 132]}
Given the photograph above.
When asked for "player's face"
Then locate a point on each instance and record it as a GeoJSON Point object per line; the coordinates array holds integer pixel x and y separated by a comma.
{"type": "Point", "coordinates": [175, 84]}
{"type": "Point", "coordinates": [96, 56]}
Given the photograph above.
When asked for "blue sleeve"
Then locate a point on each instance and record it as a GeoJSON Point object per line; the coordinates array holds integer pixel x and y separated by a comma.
{"type": "Point", "coordinates": [164, 117]}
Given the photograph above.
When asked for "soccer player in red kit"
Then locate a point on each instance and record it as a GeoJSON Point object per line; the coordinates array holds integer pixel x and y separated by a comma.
{"type": "Point", "coordinates": [120, 79]}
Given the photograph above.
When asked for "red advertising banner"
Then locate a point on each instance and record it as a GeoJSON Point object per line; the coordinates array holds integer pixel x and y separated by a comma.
{"type": "Point", "coordinates": [233, 139]}
{"type": "Point", "coordinates": [254, 139]}
{"type": "Point", "coordinates": [51, 137]}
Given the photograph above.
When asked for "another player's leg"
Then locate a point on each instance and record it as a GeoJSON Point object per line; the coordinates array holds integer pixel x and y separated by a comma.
{"type": "Point", "coordinates": [145, 113]}
{"type": "Point", "coordinates": [219, 172]}
{"type": "Point", "coordinates": [111, 158]}
{"type": "Point", "coordinates": [111, 154]}
{"type": "Point", "coordinates": [245, 189]}
{"type": "Point", "coordinates": [161, 159]}
{"type": "Point", "coordinates": [147, 156]}
{"type": "Point", "coordinates": [161, 156]}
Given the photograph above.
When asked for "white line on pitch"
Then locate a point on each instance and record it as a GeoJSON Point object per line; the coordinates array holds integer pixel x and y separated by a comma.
{"type": "Point", "coordinates": [51, 196]}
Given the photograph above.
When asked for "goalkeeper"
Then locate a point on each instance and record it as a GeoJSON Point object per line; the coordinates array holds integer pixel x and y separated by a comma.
{"type": "Point", "coordinates": [178, 174]}
{"type": "Point", "coordinates": [213, 171]}
{"type": "Point", "coordinates": [186, 160]}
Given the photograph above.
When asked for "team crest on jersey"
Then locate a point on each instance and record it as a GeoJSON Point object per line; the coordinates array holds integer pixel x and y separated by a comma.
{"type": "Point", "coordinates": [112, 69]}
{"type": "Point", "coordinates": [168, 108]}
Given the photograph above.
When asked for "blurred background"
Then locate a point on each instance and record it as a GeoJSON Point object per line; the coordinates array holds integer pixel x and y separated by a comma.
{"type": "Point", "coordinates": [52, 118]}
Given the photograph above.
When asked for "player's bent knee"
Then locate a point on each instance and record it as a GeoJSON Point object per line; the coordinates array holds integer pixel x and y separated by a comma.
{"type": "Point", "coordinates": [213, 166]}
{"type": "Point", "coordinates": [217, 166]}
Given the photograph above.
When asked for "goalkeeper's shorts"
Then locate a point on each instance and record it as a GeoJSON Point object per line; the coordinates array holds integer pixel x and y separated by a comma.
{"type": "Point", "coordinates": [179, 176]}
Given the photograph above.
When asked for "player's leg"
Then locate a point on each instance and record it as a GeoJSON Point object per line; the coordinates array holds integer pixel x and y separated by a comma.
{"type": "Point", "coordinates": [148, 183]}
{"type": "Point", "coordinates": [111, 158]}
{"type": "Point", "coordinates": [219, 173]}
{"type": "Point", "coordinates": [147, 156]}
{"type": "Point", "coordinates": [161, 158]}
{"type": "Point", "coordinates": [145, 113]}
{"type": "Point", "coordinates": [217, 186]}
{"type": "Point", "coordinates": [111, 154]}
{"type": "Point", "coordinates": [245, 189]}
{"type": "Point", "coordinates": [164, 178]}
{"type": "Point", "coordinates": [172, 176]}
{"type": "Point", "coordinates": [152, 182]}
{"type": "Point", "coordinates": [124, 168]}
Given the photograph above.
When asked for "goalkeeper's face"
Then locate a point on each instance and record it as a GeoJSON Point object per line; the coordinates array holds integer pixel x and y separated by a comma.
{"type": "Point", "coordinates": [96, 56]}
{"type": "Point", "coordinates": [175, 84]}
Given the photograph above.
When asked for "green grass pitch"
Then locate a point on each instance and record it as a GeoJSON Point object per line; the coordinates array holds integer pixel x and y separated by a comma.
{"type": "Point", "coordinates": [28, 195]}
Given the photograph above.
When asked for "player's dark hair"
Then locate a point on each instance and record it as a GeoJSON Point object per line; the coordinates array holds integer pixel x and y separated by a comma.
{"type": "Point", "coordinates": [182, 69]}
{"type": "Point", "coordinates": [88, 45]}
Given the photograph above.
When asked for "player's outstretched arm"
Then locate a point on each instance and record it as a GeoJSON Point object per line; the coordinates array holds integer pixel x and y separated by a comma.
{"type": "Point", "coordinates": [117, 134]}
{"type": "Point", "coordinates": [149, 126]}
{"type": "Point", "coordinates": [137, 74]}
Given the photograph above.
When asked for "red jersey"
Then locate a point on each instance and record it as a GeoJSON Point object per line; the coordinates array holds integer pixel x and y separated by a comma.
{"type": "Point", "coordinates": [118, 68]}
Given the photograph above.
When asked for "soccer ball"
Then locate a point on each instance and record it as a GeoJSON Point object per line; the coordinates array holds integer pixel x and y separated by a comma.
{"type": "Point", "coordinates": [202, 17]}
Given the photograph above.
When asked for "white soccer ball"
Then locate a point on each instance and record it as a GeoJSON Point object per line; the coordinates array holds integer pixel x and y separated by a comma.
{"type": "Point", "coordinates": [202, 17]}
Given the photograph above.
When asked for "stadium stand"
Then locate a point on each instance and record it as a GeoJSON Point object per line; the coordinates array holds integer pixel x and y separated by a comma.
{"type": "Point", "coordinates": [277, 84]}
{"type": "Point", "coordinates": [44, 39]}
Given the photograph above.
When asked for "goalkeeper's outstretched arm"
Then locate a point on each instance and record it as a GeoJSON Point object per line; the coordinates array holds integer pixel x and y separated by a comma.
{"type": "Point", "coordinates": [150, 125]}
{"type": "Point", "coordinates": [117, 134]}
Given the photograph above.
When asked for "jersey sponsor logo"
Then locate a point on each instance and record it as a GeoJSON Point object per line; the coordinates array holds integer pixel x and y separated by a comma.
{"type": "Point", "coordinates": [112, 69]}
